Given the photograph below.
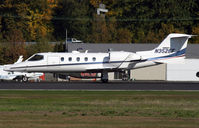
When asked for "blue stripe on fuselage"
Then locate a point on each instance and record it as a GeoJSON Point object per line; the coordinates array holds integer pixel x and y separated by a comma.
{"type": "Point", "coordinates": [69, 64]}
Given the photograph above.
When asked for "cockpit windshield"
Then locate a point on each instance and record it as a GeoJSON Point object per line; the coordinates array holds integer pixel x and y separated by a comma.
{"type": "Point", "coordinates": [36, 58]}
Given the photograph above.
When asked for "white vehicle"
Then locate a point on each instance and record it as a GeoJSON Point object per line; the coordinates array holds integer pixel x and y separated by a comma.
{"type": "Point", "coordinates": [73, 40]}
{"type": "Point", "coordinates": [18, 76]}
{"type": "Point", "coordinates": [171, 50]}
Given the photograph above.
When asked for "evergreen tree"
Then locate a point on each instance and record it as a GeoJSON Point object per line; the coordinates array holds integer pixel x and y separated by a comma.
{"type": "Point", "coordinates": [72, 15]}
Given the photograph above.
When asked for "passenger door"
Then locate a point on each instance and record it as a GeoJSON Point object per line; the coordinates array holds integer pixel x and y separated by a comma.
{"type": "Point", "coordinates": [53, 60]}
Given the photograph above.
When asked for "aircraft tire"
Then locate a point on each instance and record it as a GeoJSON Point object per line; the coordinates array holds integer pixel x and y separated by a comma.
{"type": "Point", "coordinates": [24, 79]}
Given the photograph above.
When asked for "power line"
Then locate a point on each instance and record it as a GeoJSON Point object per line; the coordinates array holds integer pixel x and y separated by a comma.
{"type": "Point", "coordinates": [108, 19]}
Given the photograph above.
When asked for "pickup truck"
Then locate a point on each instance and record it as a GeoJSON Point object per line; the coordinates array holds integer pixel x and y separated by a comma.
{"type": "Point", "coordinates": [73, 40]}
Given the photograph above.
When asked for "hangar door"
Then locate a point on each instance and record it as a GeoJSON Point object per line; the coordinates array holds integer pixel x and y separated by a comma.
{"type": "Point", "coordinates": [53, 60]}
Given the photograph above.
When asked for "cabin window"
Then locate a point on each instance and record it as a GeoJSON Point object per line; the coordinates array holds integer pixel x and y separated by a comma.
{"type": "Point", "coordinates": [94, 59]}
{"type": "Point", "coordinates": [36, 58]}
{"type": "Point", "coordinates": [86, 58]}
{"type": "Point", "coordinates": [78, 59]}
{"type": "Point", "coordinates": [70, 59]}
{"type": "Point", "coordinates": [62, 58]}
{"type": "Point", "coordinates": [197, 74]}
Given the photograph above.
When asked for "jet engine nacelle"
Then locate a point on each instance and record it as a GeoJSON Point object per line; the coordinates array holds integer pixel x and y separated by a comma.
{"type": "Point", "coordinates": [122, 59]}
{"type": "Point", "coordinates": [118, 56]}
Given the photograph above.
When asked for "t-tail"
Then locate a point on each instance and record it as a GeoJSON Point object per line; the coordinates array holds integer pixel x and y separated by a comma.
{"type": "Point", "coordinates": [171, 49]}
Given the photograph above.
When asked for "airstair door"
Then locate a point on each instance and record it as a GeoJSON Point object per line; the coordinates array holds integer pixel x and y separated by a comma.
{"type": "Point", "coordinates": [53, 60]}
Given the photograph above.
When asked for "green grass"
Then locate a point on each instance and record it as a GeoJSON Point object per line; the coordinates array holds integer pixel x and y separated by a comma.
{"type": "Point", "coordinates": [99, 109]}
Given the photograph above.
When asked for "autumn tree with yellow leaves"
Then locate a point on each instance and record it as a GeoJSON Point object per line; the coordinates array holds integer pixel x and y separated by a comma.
{"type": "Point", "coordinates": [24, 21]}
{"type": "Point", "coordinates": [32, 18]}
{"type": "Point", "coordinates": [39, 18]}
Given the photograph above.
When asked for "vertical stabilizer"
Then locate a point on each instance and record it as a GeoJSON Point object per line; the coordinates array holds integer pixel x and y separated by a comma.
{"type": "Point", "coordinates": [173, 43]}
{"type": "Point", "coordinates": [173, 46]}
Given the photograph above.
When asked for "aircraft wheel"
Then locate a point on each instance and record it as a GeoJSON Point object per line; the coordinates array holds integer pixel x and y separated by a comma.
{"type": "Point", "coordinates": [104, 77]}
{"type": "Point", "coordinates": [19, 80]}
{"type": "Point", "coordinates": [24, 79]}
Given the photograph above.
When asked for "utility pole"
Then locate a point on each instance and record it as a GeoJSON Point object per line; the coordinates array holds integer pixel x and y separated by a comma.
{"type": "Point", "coordinates": [66, 43]}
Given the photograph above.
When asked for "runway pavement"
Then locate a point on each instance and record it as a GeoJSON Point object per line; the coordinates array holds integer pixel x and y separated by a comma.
{"type": "Point", "coordinates": [115, 85]}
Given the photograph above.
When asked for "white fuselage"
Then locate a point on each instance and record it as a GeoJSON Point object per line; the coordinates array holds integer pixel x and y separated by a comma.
{"type": "Point", "coordinates": [77, 62]}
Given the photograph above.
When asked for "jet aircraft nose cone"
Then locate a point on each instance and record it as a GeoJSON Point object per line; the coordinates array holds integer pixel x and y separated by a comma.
{"type": "Point", "coordinates": [7, 68]}
{"type": "Point", "coordinates": [14, 68]}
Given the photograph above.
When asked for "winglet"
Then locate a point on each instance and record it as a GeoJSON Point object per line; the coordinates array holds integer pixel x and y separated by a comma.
{"type": "Point", "coordinates": [19, 60]}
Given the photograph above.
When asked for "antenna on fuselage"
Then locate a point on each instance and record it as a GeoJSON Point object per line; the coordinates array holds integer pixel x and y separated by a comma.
{"type": "Point", "coordinates": [110, 49]}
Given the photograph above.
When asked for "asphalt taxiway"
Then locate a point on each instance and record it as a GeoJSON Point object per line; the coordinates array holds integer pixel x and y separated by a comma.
{"type": "Point", "coordinates": [150, 85]}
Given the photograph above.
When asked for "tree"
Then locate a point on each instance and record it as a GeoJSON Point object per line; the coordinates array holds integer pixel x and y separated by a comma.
{"type": "Point", "coordinates": [99, 33]}
{"type": "Point", "coordinates": [72, 15]}
{"type": "Point", "coordinates": [195, 31]}
{"type": "Point", "coordinates": [124, 36]}
{"type": "Point", "coordinates": [15, 47]}
{"type": "Point", "coordinates": [32, 18]}
{"type": "Point", "coordinates": [59, 47]}
{"type": "Point", "coordinates": [39, 18]}
{"type": "Point", "coordinates": [144, 18]}
{"type": "Point", "coordinates": [1, 54]}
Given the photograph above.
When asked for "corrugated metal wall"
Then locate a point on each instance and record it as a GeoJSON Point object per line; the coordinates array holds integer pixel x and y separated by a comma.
{"type": "Point", "coordinates": [157, 72]}
{"type": "Point", "coordinates": [183, 72]}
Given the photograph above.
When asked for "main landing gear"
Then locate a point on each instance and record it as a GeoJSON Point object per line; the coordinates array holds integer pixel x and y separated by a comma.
{"type": "Point", "coordinates": [104, 77]}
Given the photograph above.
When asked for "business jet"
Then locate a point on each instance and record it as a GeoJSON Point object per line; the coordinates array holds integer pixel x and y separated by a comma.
{"type": "Point", "coordinates": [172, 49]}
{"type": "Point", "coordinates": [18, 76]}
